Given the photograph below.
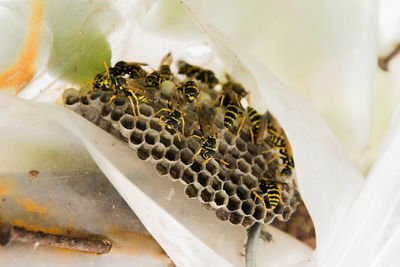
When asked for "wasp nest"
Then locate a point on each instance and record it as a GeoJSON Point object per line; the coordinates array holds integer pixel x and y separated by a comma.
{"type": "Point", "coordinates": [226, 188]}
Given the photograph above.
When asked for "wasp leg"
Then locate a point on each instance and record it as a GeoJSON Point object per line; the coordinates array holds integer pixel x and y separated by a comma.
{"type": "Point", "coordinates": [183, 127]}
{"type": "Point", "coordinates": [252, 134]}
{"type": "Point", "coordinates": [274, 158]}
{"type": "Point", "coordinates": [259, 197]}
{"type": "Point", "coordinates": [205, 162]}
{"type": "Point", "coordinates": [241, 125]}
{"type": "Point", "coordinates": [196, 136]}
{"type": "Point", "coordinates": [137, 102]}
{"type": "Point", "coordinates": [112, 98]}
{"type": "Point", "coordinates": [163, 109]}
{"type": "Point", "coordinates": [197, 153]}
{"type": "Point", "coordinates": [223, 161]}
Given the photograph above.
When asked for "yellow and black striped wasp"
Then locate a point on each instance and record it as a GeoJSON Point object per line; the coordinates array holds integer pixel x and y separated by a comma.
{"type": "Point", "coordinates": [164, 69]}
{"type": "Point", "coordinates": [154, 79]}
{"type": "Point", "coordinates": [230, 99]}
{"type": "Point", "coordinates": [173, 118]}
{"type": "Point", "coordinates": [133, 69]}
{"type": "Point", "coordinates": [277, 140]}
{"type": "Point", "coordinates": [209, 144]}
{"type": "Point", "coordinates": [206, 76]}
{"type": "Point", "coordinates": [273, 192]}
{"type": "Point", "coordinates": [189, 90]}
{"type": "Point", "coordinates": [255, 118]}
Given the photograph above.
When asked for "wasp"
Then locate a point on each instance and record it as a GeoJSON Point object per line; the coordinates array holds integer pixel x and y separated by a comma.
{"type": "Point", "coordinates": [153, 79]}
{"type": "Point", "coordinates": [273, 191]}
{"type": "Point", "coordinates": [277, 140]}
{"type": "Point", "coordinates": [133, 69]}
{"type": "Point", "coordinates": [255, 118]}
{"type": "Point", "coordinates": [204, 75]}
{"type": "Point", "coordinates": [189, 90]}
{"type": "Point", "coordinates": [164, 69]}
{"type": "Point", "coordinates": [230, 99]}
{"type": "Point", "coordinates": [209, 144]}
{"type": "Point", "coordinates": [173, 119]}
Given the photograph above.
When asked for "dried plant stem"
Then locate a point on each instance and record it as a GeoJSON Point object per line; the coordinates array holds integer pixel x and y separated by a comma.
{"type": "Point", "coordinates": [383, 62]}
{"type": "Point", "coordinates": [253, 234]}
{"type": "Point", "coordinates": [9, 233]}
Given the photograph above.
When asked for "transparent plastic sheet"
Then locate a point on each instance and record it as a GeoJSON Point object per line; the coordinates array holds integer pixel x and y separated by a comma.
{"type": "Point", "coordinates": [68, 195]}
{"type": "Point", "coordinates": [324, 171]}
{"type": "Point", "coordinates": [180, 229]}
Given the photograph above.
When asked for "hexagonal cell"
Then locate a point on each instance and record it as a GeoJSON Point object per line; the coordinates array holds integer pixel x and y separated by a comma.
{"type": "Point", "coordinates": [269, 174]}
{"type": "Point", "coordinates": [176, 170]}
{"type": "Point", "coordinates": [247, 157]}
{"type": "Point", "coordinates": [119, 100]}
{"type": "Point", "coordinates": [95, 95]}
{"type": "Point", "coordinates": [216, 183]}
{"type": "Point", "coordinates": [186, 156]}
{"type": "Point", "coordinates": [179, 144]}
{"type": "Point", "coordinates": [252, 148]}
{"type": "Point", "coordinates": [250, 181]}
{"type": "Point", "coordinates": [212, 167]}
{"type": "Point", "coordinates": [207, 195]}
{"type": "Point", "coordinates": [141, 124]}
{"type": "Point", "coordinates": [116, 114]}
{"type": "Point", "coordinates": [248, 221]}
{"type": "Point", "coordinates": [256, 171]}
{"type": "Point", "coordinates": [221, 198]}
{"type": "Point", "coordinates": [189, 176]}
{"type": "Point", "coordinates": [127, 122]}
{"type": "Point", "coordinates": [158, 151]}
{"type": "Point", "coordinates": [146, 110]}
{"type": "Point", "coordinates": [229, 138]}
{"type": "Point", "coordinates": [172, 154]}
{"type": "Point", "coordinates": [242, 192]}
{"type": "Point", "coordinates": [243, 165]}
{"type": "Point", "coordinates": [136, 137]}
{"type": "Point", "coordinates": [151, 137]}
{"type": "Point", "coordinates": [84, 100]}
{"type": "Point", "coordinates": [245, 135]}
{"type": "Point", "coordinates": [162, 167]}
{"type": "Point", "coordinates": [241, 145]}
{"type": "Point", "coordinates": [193, 144]}
{"type": "Point", "coordinates": [236, 218]}
{"type": "Point", "coordinates": [278, 209]}
{"type": "Point", "coordinates": [236, 178]}
{"type": "Point", "coordinates": [269, 217]}
{"type": "Point", "coordinates": [259, 212]}
{"type": "Point", "coordinates": [222, 147]}
{"type": "Point", "coordinates": [248, 207]}
{"type": "Point", "coordinates": [234, 152]}
{"type": "Point", "coordinates": [222, 175]}
{"type": "Point", "coordinates": [222, 214]}
{"type": "Point", "coordinates": [166, 139]}
{"type": "Point", "coordinates": [204, 178]}
{"type": "Point", "coordinates": [229, 188]}
{"type": "Point", "coordinates": [106, 110]}
{"type": "Point", "coordinates": [197, 166]}
{"type": "Point", "coordinates": [193, 190]}
{"type": "Point", "coordinates": [155, 125]}
{"type": "Point", "coordinates": [143, 151]}
{"type": "Point", "coordinates": [105, 98]}
{"type": "Point", "coordinates": [231, 161]}
{"type": "Point", "coordinates": [260, 161]}
{"type": "Point", "coordinates": [233, 203]}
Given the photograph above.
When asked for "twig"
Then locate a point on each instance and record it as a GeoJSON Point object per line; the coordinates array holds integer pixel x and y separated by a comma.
{"type": "Point", "coordinates": [9, 233]}
{"type": "Point", "coordinates": [383, 62]}
{"type": "Point", "coordinates": [253, 234]}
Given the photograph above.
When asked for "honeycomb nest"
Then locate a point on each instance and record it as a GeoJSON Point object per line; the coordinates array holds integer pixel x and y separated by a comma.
{"type": "Point", "coordinates": [224, 188]}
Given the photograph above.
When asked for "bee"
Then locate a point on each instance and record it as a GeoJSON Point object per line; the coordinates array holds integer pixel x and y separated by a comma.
{"type": "Point", "coordinates": [164, 69]}
{"type": "Point", "coordinates": [173, 119]}
{"type": "Point", "coordinates": [153, 79]}
{"type": "Point", "coordinates": [278, 140]}
{"type": "Point", "coordinates": [189, 90]}
{"type": "Point", "coordinates": [209, 144]}
{"type": "Point", "coordinates": [273, 191]}
{"type": "Point", "coordinates": [255, 118]}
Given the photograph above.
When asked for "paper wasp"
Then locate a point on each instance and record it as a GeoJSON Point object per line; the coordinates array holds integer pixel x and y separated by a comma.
{"type": "Point", "coordinates": [273, 191]}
